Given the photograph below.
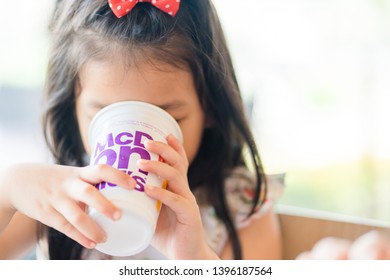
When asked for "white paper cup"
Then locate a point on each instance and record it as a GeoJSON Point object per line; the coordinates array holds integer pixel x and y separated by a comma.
{"type": "Point", "coordinates": [116, 135]}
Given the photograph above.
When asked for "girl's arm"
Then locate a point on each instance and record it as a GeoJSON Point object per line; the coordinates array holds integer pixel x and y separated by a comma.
{"type": "Point", "coordinates": [17, 232]}
{"type": "Point", "coordinates": [56, 196]}
{"type": "Point", "coordinates": [18, 238]}
{"type": "Point", "coordinates": [260, 240]}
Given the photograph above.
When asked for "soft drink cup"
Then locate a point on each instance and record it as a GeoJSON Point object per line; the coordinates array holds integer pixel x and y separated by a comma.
{"type": "Point", "coordinates": [117, 134]}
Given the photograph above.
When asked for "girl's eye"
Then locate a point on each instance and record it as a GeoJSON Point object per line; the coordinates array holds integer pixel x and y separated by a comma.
{"type": "Point", "coordinates": [178, 120]}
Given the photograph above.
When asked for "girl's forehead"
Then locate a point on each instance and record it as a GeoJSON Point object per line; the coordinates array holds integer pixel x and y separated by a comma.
{"type": "Point", "coordinates": [135, 58]}
{"type": "Point", "coordinates": [118, 68]}
{"type": "Point", "coordinates": [173, 52]}
{"type": "Point", "coordinates": [111, 81]}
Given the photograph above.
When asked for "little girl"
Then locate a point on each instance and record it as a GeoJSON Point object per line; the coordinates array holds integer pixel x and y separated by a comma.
{"type": "Point", "coordinates": [169, 53]}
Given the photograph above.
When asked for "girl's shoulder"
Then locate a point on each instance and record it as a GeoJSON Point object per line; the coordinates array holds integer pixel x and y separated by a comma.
{"type": "Point", "coordinates": [240, 188]}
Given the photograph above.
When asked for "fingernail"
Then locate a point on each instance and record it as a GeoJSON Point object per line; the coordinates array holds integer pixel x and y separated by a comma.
{"type": "Point", "coordinates": [132, 183]}
{"type": "Point", "coordinates": [148, 142]}
{"type": "Point", "coordinates": [92, 245]}
{"type": "Point", "coordinates": [142, 161]}
{"type": "Point", "coordinates": [104, 239]}
{"type": "Point", "coordinates": [117, 215]}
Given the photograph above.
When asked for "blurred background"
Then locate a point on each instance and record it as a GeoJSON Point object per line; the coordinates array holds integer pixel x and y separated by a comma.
{"type": "Point", "coordinates": [315, 73]}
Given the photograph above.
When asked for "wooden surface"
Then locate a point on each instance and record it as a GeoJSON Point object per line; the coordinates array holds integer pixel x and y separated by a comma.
{"type": "Point", "coordinates": [300, 232]}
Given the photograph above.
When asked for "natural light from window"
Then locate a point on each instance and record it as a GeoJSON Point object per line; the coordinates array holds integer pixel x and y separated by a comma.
{"type": "Point", "coordinates": [314, 73]}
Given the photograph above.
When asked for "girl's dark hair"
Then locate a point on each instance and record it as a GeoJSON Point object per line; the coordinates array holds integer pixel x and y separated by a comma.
{"type": "Point", "coordinates": [86, 30]}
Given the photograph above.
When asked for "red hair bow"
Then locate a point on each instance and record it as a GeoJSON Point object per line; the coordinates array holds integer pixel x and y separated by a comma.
{"type": "Point", "coordinates": [123, 7]}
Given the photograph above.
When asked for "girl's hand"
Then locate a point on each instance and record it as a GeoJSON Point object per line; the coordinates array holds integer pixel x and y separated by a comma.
{"type": "Point", "coordinates": [58, 196]}
{"type": "Point", "coordinates": [179, 231]}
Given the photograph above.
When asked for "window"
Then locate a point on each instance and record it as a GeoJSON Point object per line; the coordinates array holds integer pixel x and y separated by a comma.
{"type": "Point", "coordinates": [23, 50]}
{"type": "Point", "coordinates": [318, 75]}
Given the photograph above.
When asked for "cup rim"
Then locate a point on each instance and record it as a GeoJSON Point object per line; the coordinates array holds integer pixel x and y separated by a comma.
{"type": "Point", "coordinates": [138, 104]}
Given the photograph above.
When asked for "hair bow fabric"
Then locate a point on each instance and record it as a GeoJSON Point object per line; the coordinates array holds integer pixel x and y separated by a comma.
{"type": "Point", "coordinates": [122, 7]}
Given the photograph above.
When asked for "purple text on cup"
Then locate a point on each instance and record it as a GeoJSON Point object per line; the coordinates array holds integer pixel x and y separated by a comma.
{"type": "Point", "coordinates": [116, 150]}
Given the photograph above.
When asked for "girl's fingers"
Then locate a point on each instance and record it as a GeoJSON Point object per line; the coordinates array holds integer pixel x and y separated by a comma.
{"type": "Point", "coordinates": [78, 219]}
{"type": "Point", "coordinates": [170, 154]}
{"type": "Point", "coordinates": [89, 195]}
{"type": "Point", "coordinates": [175, 202]}
{"type": "Point", "coordinates": [176, 182]}
{"type": "Point", "coordinates": [95, 174]}
{"type": "Point", "coordinates": [176, 145]}
{"type": "Point", "coordinates": [63, 225]}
